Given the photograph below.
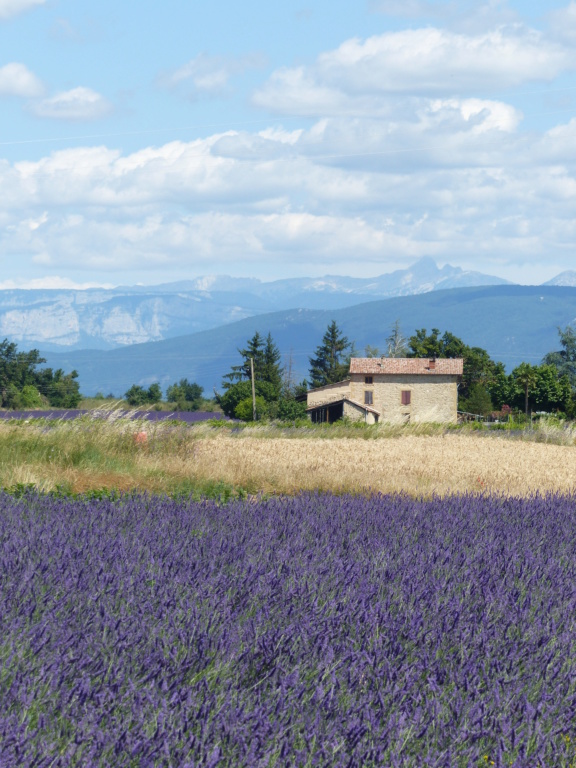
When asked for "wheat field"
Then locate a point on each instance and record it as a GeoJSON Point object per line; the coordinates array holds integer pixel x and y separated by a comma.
{"type": "Point", "coordinates": [89, 454]}
{"type": "Point", "coordinates": [411, 464]}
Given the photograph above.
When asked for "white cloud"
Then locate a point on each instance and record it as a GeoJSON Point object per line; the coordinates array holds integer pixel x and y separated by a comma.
{"type": "Point", "coordinates": [447, 177]}
{"type": "Point", "coordinates": [10, 8]}
{"type": "Point", "coordinates": [77, 104]}
{"type": "Point", "coordinates": [209, 75]}
{"type": "Point", "coordinates": [563, 22]}
{"type": "Point", "coordinates": [360, 74]}
{"type": "Point", "coordinates": [18, 80]}
{"type": "Point", "coordinates": [51, 283]}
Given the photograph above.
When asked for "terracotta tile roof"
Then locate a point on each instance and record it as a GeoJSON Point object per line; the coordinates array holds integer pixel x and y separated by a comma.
{"type": "Point", "coordinates": [407, 365]}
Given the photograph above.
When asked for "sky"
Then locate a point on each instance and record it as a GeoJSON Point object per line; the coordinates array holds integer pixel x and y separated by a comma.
{"type": "Point", "coordinates": [152, 142]}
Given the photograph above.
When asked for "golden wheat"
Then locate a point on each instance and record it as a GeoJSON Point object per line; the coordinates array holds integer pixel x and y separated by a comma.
{"type": "Point", "coordinates": [416, 465]}
{"type": "Point", "coordinates": [97, 453]}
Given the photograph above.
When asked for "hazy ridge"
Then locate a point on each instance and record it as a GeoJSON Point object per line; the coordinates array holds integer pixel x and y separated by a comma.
{"type": "Point", "coordinates": [513, 322]}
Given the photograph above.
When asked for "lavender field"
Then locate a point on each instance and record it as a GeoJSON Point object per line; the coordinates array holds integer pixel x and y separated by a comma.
{"type": "Point", "coordinates": [306, 631]}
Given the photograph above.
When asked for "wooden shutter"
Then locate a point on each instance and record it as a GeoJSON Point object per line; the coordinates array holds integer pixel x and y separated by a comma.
{"type": "Point", "coordinates": [406, 397]}
{"type": "Point", "coordinates": [368, 398]}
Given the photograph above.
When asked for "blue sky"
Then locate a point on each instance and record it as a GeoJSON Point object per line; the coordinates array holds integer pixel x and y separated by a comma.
{"type": "Point", "coordinates": [152, 143]}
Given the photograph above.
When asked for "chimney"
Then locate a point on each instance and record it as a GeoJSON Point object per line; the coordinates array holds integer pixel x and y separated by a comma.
{"type": "Point", "coordinates": [432, 364]}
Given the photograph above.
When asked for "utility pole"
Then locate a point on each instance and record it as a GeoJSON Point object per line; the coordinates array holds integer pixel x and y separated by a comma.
{"type": "Point", "coordinates": [253, 390]}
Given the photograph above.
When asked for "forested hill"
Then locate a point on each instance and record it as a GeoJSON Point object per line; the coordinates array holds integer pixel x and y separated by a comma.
{"type": "Point", "coordinates": [514, 323]}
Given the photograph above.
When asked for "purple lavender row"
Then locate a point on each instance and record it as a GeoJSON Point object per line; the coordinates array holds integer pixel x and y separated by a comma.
{"type": "Point", "coordinates": [188, 416]}
{"type": "Point", "coordinates": [316, 630]}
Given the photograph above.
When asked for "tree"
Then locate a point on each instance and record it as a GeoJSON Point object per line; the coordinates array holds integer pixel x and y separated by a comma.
{"type": "Point", "coordinates": [137, 395]}
{"type": "Point", "coordinates": [18, 369]}
{"type": "Point", "coordinates": [564, 360]}
{"type": "Point", "coordinates": [478, 402]}
{"type": "Point", "coordinates": [396, 343]}
{"type": "Point", "coordinates": [154, 393]}
{"type": "Point", "coordinates": [30, 397]}
{"type": "Point", "coordinates": [479, 368]}
{"type": "Point", "coordinates": [243, 391]}
{"type": "Point", "coordinates": [541, 386]}
{"type": "Point", "coordinates": [265, 356]}
{"type": "Point", "coordinates": [525, 377]}
{"type": "Point", "coordinates": [501, 388]}
{"type": "Point", "coordinates": [255, 351]}
{"type": "Point", "coordinates": [290, 410]}
{"type": "Point", "coordinates": [245, 408]}
{"type": "Point", "coordinates": [271, 371]}
{"type": "Point", "coordinates": [330, 363]}
{"type": "Point", "coordinates": [187, 395]}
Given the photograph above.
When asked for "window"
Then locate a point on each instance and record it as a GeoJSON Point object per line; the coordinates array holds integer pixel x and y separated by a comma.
{"type": "Point", "coordinates": [368, 398]}
{"type": "Point", "coordinates": [368, 380]}
{"type": "Point", "coordinates": [406, 397]}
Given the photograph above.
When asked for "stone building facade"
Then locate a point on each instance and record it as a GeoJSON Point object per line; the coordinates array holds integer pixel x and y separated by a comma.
{"type": "Point", "coordinates": [394, 390]}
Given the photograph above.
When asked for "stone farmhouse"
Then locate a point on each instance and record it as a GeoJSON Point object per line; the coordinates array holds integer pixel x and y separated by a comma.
{"type": "Point", "coordinates": [395, 390]}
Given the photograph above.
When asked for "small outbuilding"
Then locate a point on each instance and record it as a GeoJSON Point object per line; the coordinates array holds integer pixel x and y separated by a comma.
{"type": "Point", "coordinates": [392, 389]}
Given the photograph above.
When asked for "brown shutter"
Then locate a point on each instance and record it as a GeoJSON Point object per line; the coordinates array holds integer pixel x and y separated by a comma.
{"type": "Point", "coordinates": [406, 397]}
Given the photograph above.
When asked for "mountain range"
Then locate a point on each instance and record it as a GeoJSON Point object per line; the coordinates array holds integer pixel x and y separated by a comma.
{"type": "Point", "coordinates": [513, 323]}
{"type": "Point", "coordinates": [58, 320]}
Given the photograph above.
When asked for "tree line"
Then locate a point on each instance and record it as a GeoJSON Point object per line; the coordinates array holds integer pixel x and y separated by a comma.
{"type": "Point", "coordinates": [23, 385]}
{"type": "Point", "coordinates": [485, 387]}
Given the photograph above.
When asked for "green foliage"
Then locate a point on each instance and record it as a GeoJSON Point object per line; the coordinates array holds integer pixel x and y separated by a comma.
{"type": "Point", "coordinates": [479, 368]}
{"type": "Point", "coordinates": [540, 388]}
{"type": "Point", "coordinates": [564, 360]}
{"type": "Point", "coordinates": [266, 359]}
{"type": "Point", "coordinates": [18, 368]}
{"type": "Point", "coordinates": [61, 388]}
{"type": "Point", "coordinates": [21, 384]}
{"type": "Point", "coordinates": [478, 401]}
{"type": "Point", "coordinates": [154, 393]}
{"type": "Point", "coordinates": [290, 410]}
{"type": "Point", "coordinates": [330, 363]}
{"type": "Point", "coordinates": [30, 397]}
{"type": "Point", "coordinates": [188, 395]}
{"type": "Point", "coordinates": [243, 391]}
{"type": "Point", "coordinates": [271, 369]}
{"type": "Point", "coordinates": [244, 409]}
{"type": "Point", "coordinates": [137, 395]}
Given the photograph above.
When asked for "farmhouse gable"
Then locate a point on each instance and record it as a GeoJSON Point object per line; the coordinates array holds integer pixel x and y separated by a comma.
{"type": "Point", "coordinates": [395, 390]}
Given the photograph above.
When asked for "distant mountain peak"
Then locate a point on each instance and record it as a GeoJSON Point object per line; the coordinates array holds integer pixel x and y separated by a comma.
{"type": "Point", "coordinates": [567, 278]}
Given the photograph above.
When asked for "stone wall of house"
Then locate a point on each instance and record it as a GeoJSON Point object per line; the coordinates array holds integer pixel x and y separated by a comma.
{"type": "Point", "coordinates": [432, 398]}
{"type": "Point", "coordinates": [328, 394]}
{"type": "Point", "coordinates": [355, 413]}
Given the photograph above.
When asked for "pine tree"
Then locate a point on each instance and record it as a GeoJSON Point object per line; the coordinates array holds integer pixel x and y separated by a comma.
{"type": "Point", "coordinates": [266, 359]}
{"type": "Point", "coordinates": [330, 364]}
{"type": "Point", "coordinates": [271, 370]}
{"type": "Point", "coordinates": [255, 350]}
